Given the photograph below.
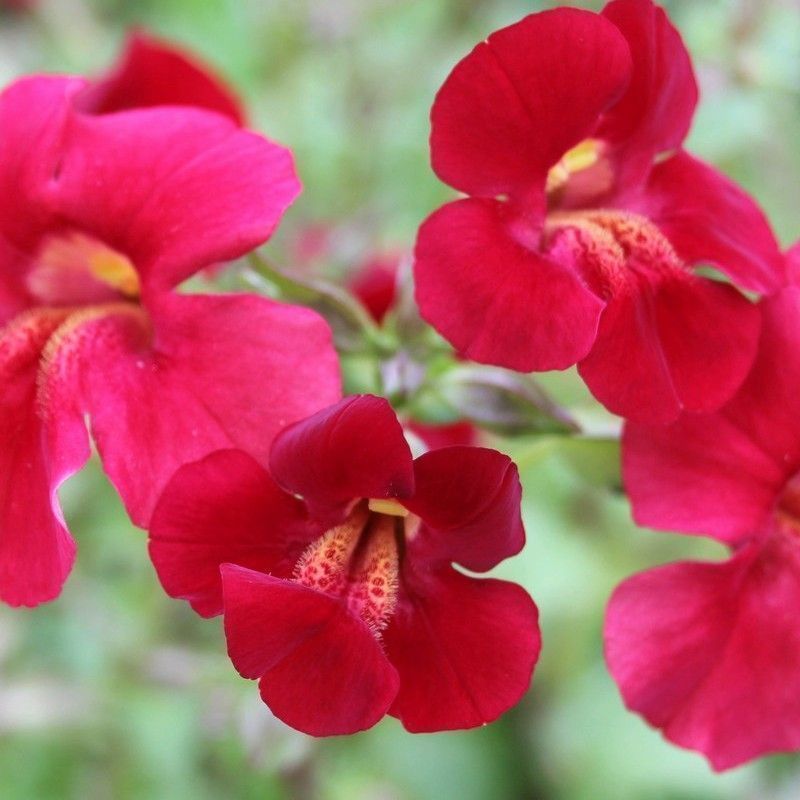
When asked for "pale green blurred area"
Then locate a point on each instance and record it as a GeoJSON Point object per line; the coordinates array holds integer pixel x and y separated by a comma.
{"type": "Point", "coordinates": [115, 691]}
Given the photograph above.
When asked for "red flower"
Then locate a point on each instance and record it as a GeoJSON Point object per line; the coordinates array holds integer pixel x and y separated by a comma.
{"type": "Point", "coordinates": [100, 218]}
{"type": "Point", "coordinates": [585, 216]}
{"type": "Point", "coordinates": [344, 603]}
{"type": "Point", "coordinates": [710, 652]}
{"type": "Point", "coordinates": [375, 285]}
{"type": "Point", "coordinates": [150, 73]}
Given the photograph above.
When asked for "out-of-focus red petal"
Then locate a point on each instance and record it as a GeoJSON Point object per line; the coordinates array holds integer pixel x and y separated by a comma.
{"type": "Point", "coordinates": [375, 285]}
{"type": "Point", "coordinates": [710, 653]}
{"type": "Point", "coordinates": [511, 108]}
{"type": "Point", "coordinates": [447, 435]}
{"type": "Point", "coordinates": [671, 345]}
{"type": "Point", "coordinates": [152, 72]}
{"type": "Point", "coordinates": [322, 671]}
{"type": "Point", "coordinates": [224, 508]}
{"type": "Point", "coordinates": [721, 474]}
{"type": "Point", "coordinates": [353, 449]}
{"type": "Point", "coordinates": [36, 550]}
{"type": "Point", "coordinates": [710, 219]}
{"type": "Point", "coordinates": [793, 264]}
{"type": "Point", "coordinates": [495, 300]}
{"type": "Point", "coordinates": [469, 501]}
{"type": "Point", "coordinates": [174, 189]}
{"type": "Point", "coordinates": [213, 372]}
{"type": "Point", "coordinates": [465, 649]}
{"type": "Point", "coordinates": [654, 114]}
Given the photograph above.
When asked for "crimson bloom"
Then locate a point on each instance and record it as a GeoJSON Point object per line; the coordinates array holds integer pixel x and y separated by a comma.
{"type": "Point", "coordinates": [345, 603]}
{"type": "Point", "coordinates": [101, 217]}
{"type": "Point", "coordinates": [710, 652]}
{"type": "Point", "coordinates": [585, 216]}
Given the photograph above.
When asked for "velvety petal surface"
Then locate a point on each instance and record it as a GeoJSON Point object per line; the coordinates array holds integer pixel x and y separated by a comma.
{"type": "Point", "coordinates": [511, 108]}
{"type": "Point", "coordinates": [654, 114]}
{"type": "Point", "coordinates": [671, 345]}
{"type": "Point", "coordinates": [710, 220]}
{"type": "Point", "coordinates": [36, 550]}
{"type": "Point", "coordinates": [710, 653]}
{"type": "Point", "coordinates": [152, 72]}
{"type": "Point", "coordinates": [465, 649]}
{"type": "Point", "coordinates": [199, 374]}
{"type": "Point", "coordinates": [494, 299]}
{"type": "Point", "coordinates": [721, 474]}
{"type": "Point", "coordinates": [224, 508]}
{"type": "Point", "coordinates": [322, 671]}
{"type": "Point", "coordinates": [192, 189]}
{"type": "Point", "coordinates": [350, 450]}
{"type": "Point", "coordinates": [469, 501]}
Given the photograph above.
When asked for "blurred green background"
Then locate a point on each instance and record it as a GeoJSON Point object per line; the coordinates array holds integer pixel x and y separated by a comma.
{"type": "Point", "coordinates": [115, 691]}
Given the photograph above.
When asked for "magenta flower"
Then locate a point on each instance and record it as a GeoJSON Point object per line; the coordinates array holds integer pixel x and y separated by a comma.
{"type": "Point", "coordinates": [101, 217]}
{"type": "Point", "coordinates": [585, 216]}
{"type": "Point", "coordinates": [710, 652]}
{"type": "Point", "coordinates": [337, 584]}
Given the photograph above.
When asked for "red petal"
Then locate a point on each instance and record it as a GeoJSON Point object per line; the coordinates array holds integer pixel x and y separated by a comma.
{"type": "Point", "coordinates": [174, 189]}
{"type": "Point", "coordinates": [36, 550]}
{"type": "Point", "coordinates": [469, 501]}
{"type": "Point", "coordinates": [224, 508]}
{"type": "Point", "coordinates": [32, 115]}
{"type": "Point", "coordinates": [448, 435]}
{"type": "Point", "coordinates": [322, 671]}
{"type": "Point", "coordinates": [793, 263]}
{"type": "Point", "coordinates": [152, 72]}
{"type": "Point", "coordinates": [217, 372]}
{"type": "Point", "coordinates": [465, 650]}
{"type": "Point", "coordinates": [721, 474]}
{"type": "Point", "coordinates": [510, 109]}
{"type": "Point", "coordinates": [710, 653]}
{"type": "Point", "coordinates": [680, 344]}
{"type": "Point", "coordinates": [709, 219]}
{"type": "Point", "coordinates": [655, 113]}
{"type": "Point", "coordinates": [495, 300]}
{"type": "Point", "coordinates": [375, 285]}
{"type": "Point", "coordinates": [355, 448]}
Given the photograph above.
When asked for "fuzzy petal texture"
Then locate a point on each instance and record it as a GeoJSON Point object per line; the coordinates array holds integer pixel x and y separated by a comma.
{"type": "Point", "coordinates": [322, 671]}
{"type": "Point", "coordinates": [469, 501]}
{"type": "Point", "coordinates": [152, 72]}
{"type": "Point", "coordinates": [36, 550]}
{"type": "Point", "coordinates": [655, 113]}
{"type": "Point", "coordinates": [192, 190]}
{"type": "Point", "coordinates": [465, 649]}
{"type": "Point", "coordinates": [224, 508]}
{"type": "Point", "coordinates": [199, 374]}
{"type": "Point", "coordinates": [351, 450]}
{"type": "Point", "coordinates": [710, 219]}
{"type": "Point", "coordinates": [721, 474]}
{"type": "Point", "coordinates": [710, 653]}
{"type": "Point", "coordinates": [671, 345]}
{"type": "Point", "coordinates": [495, 300]}
{"type": "Point", "coordinates": [511, 108]}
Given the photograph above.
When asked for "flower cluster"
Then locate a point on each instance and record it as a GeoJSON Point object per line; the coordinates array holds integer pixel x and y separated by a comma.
{"type": "Point", "coordinates": [337, 536]}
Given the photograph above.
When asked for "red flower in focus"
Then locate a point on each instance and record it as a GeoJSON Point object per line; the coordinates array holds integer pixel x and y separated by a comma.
{"type": "Point", "coordinates": [100, 218]}
{"type": "Point", "coordinates": [585, 215]}
{"type": "Point", "coordinates": [710, 652]}
{"type": "Point", "coordinates": [151, 73]}
{"type": "Point", "coordinates": [345, 603]}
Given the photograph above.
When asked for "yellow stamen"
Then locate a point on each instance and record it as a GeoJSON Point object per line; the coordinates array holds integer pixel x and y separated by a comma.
{"type": "Point", "coordinates": [585, 154]}
{"type": "Point", "coordinates": [387, 506]}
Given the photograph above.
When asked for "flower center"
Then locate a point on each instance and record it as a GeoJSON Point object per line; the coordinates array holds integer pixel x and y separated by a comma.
{"type": "Point", "coordinates": [788, 510]}
{"type": "Point", "coordinates": [359, 561]}
{"type": "Point", "coordinates": [585, 154]}
{"type": "Point", "coordinates": [610, 246]}
{"type": "Point", "coordinates": [73, 268]}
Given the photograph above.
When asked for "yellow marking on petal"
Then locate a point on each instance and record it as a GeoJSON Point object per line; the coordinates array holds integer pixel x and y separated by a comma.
{"type": "Point", "coordinates": [585, 154]}
{"type": "Point", "coordinates": [66, 258]}
{"type": "Point", "coordinates": [387, 506]}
